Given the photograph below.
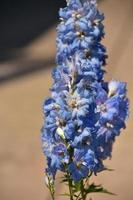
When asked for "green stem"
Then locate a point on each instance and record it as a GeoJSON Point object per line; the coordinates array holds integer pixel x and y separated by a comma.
{"type": "Point", "coordinates": [83, 195]}
{"type": "Point", "coordinates": [70, 187]}
{"type": "Point", "coordinates": [52, 193]}
{"type": "Point", "coordinates": [52, 197]}
{"type": "Point", "coordinates": [51, 189]}
{"type": "Point", "coordinates": [70, 183]}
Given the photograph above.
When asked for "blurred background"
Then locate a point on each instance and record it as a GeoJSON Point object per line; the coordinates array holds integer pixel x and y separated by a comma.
{"type": "Point", "coordinates": [27, 54]}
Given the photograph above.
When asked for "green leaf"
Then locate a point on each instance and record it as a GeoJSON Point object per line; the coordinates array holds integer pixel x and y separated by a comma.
{"type": "Point", "coordinates": [97, 189]}
{"type": "Point", "coordinates": [107, 192]}
{"type": "Point", "coordinates": [108, 169]}
{"type": "Point", "coordinates": [89, 175]}
{"type": "Point", "coordinates": [64, 180]}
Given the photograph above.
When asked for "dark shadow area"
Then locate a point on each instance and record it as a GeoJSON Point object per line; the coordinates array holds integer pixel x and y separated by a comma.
{"type": "Point", "coordinates": [23, 21]}
{"type": "Point", "coordinates": [27, 68]}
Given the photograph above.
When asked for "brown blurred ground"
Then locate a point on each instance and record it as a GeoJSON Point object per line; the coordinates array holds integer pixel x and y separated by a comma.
{"type": "Point", "coordinates": [21, 158]}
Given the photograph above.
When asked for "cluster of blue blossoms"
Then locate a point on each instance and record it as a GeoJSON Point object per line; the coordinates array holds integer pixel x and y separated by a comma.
{"type": "Point", "coordinates": [84, 114]}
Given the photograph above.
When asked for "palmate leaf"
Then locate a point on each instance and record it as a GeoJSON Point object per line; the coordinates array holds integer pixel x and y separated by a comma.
{"type": "Point", "coordinates": [97, 189]}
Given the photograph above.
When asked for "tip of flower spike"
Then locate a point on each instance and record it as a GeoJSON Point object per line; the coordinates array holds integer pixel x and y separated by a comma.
{"type": "Point", "coordinates": [81, 1]}
{"type": "Point", "coordinates": [90, 1]}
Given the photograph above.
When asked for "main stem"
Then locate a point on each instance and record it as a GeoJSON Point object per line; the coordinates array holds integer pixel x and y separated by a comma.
{"type": "Point", "coordinates": [70, 187]}
{"type": "Point", "coordinates": [83, 195]}
{"type": "Point", "coordinates": [70, 183]}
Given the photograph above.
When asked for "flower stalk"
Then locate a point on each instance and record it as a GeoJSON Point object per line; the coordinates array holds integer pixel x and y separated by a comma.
{"type": "Point", "coordinates": [70, 187]}
{"type": "Point", "coordinates": [84, 114]}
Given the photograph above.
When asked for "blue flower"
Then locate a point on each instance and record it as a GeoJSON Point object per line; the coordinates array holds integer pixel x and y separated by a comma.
{"type": "Point", "coordinates": [109, 110]}
{"type": "Point", "coordinates": [83, 138]}
{"type": "Point", "coordinates": [83, 162]}
{"type": "Point", "coordinates": [56, 153]}
{"type": "Point", "coordinates": [112, 107]}
{"type": "Point", "coordinates": [117, 88]}
{"type": "Point", "coordinates": [84, 114]}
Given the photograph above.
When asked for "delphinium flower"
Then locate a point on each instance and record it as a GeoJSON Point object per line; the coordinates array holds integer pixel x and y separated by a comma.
{"type": "Point", "coordinates": [84, 114]}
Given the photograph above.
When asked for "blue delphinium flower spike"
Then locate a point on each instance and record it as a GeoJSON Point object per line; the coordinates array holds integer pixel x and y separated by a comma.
{"type": "Point", "coordinates": [84, 114]}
